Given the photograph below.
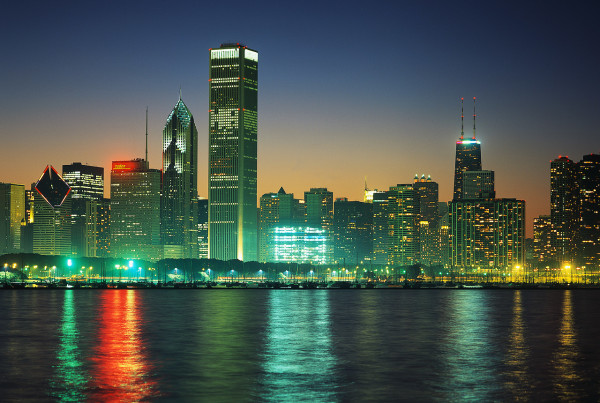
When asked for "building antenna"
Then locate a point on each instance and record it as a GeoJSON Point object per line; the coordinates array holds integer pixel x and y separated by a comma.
{"type": "Point", "coordinates": [474, 116]}
{"type": "Point", "coordinates": [462, 119]}
{"type": "Point", "coordinates": [180, 92]}
{"type": "Point", "coordinates": [146, 133]}
{"type": "Point", "coordinates": [366, 188]}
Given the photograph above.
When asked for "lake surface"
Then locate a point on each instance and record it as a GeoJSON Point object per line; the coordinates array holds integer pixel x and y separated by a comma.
{"type": "Point", "coordinates": [299, 345]}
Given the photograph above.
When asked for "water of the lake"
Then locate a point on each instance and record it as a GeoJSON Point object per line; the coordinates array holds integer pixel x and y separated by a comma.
{"type": "Point", "coordinates": [294, 345]}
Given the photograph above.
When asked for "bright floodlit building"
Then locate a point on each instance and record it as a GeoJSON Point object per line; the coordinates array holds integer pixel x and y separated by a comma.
{"type": "Point", "coordinates": [299, 245]}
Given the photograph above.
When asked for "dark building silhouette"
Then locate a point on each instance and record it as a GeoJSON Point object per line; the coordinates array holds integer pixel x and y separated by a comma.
{"type": "Point", "coordinates": [564, 209]}
{"type": "Point", "coordinates": [589, 210]}
{"type": "Point", "coordinates": [353, 231]}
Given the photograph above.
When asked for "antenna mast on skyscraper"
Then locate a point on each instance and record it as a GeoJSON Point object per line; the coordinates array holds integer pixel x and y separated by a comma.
{"type": "Point", "coordinates": [146, 133]}
{"type": "Point", "coordinates": [474, 116]}
{"type": "Point", "coordinates": [462, 118]}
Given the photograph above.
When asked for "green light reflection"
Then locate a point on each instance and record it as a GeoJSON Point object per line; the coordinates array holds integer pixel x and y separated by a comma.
{"type": "Point", "coordinates": [70, 376]}
{"type": "Point", "coordinates": [299, 362]}
{"type": "Point", "coordinates": [471, 358]}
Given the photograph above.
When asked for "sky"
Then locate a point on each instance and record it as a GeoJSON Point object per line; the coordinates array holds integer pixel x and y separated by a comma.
{"type": "Point", "coordinates": [347, 90]}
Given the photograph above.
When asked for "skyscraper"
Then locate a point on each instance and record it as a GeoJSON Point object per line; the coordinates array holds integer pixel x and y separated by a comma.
{"type": "Point", "coordinates": [179, 193]}
{"type": "Point", "coordinates": [403, 212]}
{"type": "Point", "coordinates": [542, 240]}
{"type": "Point", "coordinates": [487, 234]}
{"type": "Point", "coordinates": [478, 185]}
{"type": "Point", "coordinates": [202, 227]}
{"type": "Point", "coordinates": [353, 231]}
{"type": "Point", "coordinates": [232, 176]}
{"type": "Point", "coordinates": [279, 209]}
{"type": "Point", "coordinates": [564, 209]}
{"type": "Point", "coordinates": [86, 181]}
{"type": "Point", "coordinates": [427, 194]}
{"type": "Point", "coordinates": [589, 206]}
{"type": "Point", "coordinates": [319, 214]}
{"type": "Point", "coordinates": [52, 215]}
{"type": "Point", "coordinates": [87, 192]}
{"type": "Point", "coordinates": [12, 216]}
{"type": "Point", "coordinates": [468, 157]}
{"type": "Point", "coordinates": [135, 210]}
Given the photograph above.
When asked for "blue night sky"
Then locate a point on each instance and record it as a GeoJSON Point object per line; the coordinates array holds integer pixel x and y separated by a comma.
{"type": "Point", "coordinates": [346, 89]}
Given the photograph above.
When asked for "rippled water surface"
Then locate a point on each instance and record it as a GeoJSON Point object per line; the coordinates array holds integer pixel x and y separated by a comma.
{"type": "Point", "coordinates": [294, 345]}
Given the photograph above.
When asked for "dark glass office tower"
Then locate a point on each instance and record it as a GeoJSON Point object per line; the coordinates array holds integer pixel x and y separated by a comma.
{"type": "Point", "coordinates": [468, 158]}
{"type": "Point", "coordinates": [589, 206]}
{"type": "Point", "coordinates": [564, 208]}
{"type": "Point", "coordinates": [233, 108]}
{"type": "Point", "coordinates": [179, 190]}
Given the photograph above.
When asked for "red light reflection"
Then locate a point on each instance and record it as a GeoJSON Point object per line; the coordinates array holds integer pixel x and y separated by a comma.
{"type": "Point", "coordinates": [121, 370]}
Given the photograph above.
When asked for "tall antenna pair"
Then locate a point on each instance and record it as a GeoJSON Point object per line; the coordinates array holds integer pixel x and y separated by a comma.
{"type": "Point", "coordinates": [462, 117]}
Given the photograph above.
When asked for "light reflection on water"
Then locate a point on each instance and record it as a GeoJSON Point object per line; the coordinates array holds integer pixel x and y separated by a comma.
{"type": "Point", "coordinates": [71, 375]}
{"type": "Point", "coordinates": [121, 369]}
{"type": "Point", "coordinates": [469, 351]}
{"type": "Point", "coordinates": [517, 355]}
{"type": "Point", "coordinates": [286, 345]}
{"type": "Point", "coordinates": [566, 377]}
{"type": "Point", "coordinates": [298, 357]}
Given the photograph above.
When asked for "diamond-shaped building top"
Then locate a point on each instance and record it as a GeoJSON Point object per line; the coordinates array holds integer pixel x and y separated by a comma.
{"type": "Point", "coordinates": [52, 187]}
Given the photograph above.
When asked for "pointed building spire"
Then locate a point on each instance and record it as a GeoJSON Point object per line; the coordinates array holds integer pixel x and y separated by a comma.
{"type": "Point", "coordinates": [462, 119]}
{"type": "Point", "coordinates": [180, 92]}
{"type": "Point", "coordinates": [474, 116]}
{"type": "Point", "coordinates": [146, 133]}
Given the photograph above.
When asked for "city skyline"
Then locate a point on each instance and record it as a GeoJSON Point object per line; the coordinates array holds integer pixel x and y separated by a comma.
{"type": "Point", "coordinates": [534, 83]}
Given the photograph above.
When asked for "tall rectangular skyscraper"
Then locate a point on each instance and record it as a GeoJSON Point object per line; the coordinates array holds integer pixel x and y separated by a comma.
{"type": "Point", "coordinates": [232, 138]}
{"type": "Point", "coordinates": [87, 192]}
{"type": "Point", "coordinates": [135, 210]}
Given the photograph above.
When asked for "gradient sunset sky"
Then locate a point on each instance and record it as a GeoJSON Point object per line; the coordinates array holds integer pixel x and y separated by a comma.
{"type": "Point", "coordinates": [347, 90]}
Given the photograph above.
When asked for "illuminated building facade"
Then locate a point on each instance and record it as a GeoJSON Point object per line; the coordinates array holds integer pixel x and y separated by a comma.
{"type": "Point", "coordinates": [299, 245]}
{"type": "Point", "coordinates": [319, 214]}
{"type": "Point", "coordinates": [564, 208]}
{"type": "Point", "coordinates": [542, 240]}
{"type": "Point", "coordinates": [232, 176]}
{"type": "Point", "coordinates": [52, 215]}
{"type": "Point", "coordinates": [103, 228]}
{"type": "Point", "coordinates": [12, 217]}
{"type": "Point", "coordinates": [353, 231]}
{"type": "Point", "coordinates": [279, 209]}
{"type": "Point", "coordinates": [478, 185]}
{"type": "Point", "coordinates": [589, 206]}
{"type": "Point", "coordinates": [179, 190]}
{"type": "Point", "coordinates": [403, 239]}
{"type": "Point", "coordinates": [486, 234]}
{"type": "Point", "coordinates": [86, 181]}
{"type": "Point", "coordinates": [380, 228]}
{"type": "Point", "coordinates": [427, 195]}
{"type": "Point", "coordinates": [87, 192]}
{"type": "Point", "coordinates": [135, 210]}
{"type": "Point", "coordinates": [202, 227]}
